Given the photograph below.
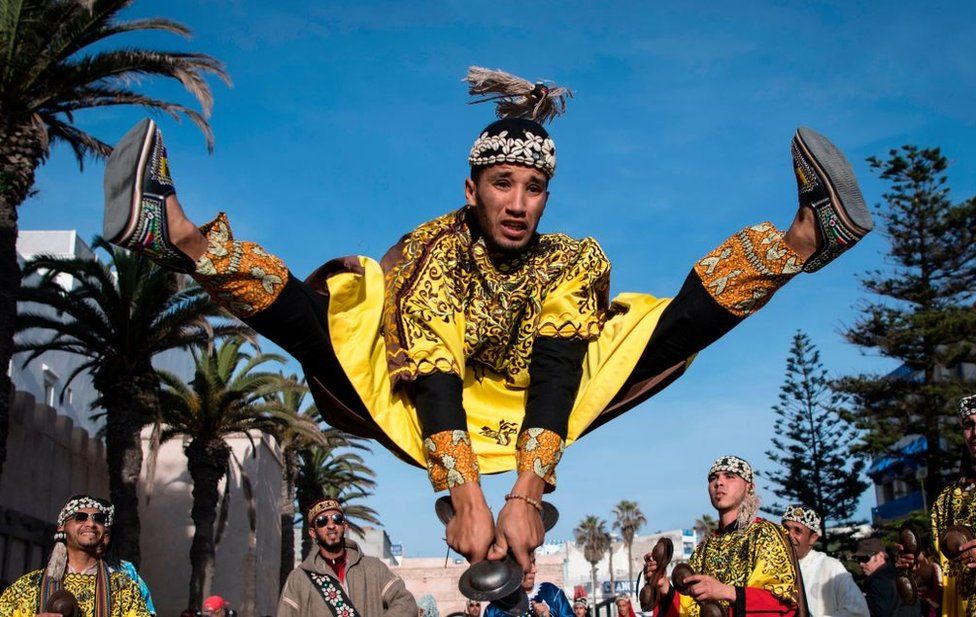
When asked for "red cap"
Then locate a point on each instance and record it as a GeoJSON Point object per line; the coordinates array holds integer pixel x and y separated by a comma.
{"type": "Point", "coordinates": [215, 603]}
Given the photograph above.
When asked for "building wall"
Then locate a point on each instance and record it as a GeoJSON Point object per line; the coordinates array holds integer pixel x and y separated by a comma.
{"type": "Point", "coordinates": [244, 563]}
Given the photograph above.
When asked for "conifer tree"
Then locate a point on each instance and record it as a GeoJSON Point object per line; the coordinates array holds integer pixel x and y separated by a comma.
{"type": "Point", "coordinates": [812, 446]}
{"type": "Point", "coordinates": [922, 314]}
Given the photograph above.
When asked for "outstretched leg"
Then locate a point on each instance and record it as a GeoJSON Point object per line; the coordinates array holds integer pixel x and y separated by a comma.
{"type": "Point", "coordinates": [740, 276]}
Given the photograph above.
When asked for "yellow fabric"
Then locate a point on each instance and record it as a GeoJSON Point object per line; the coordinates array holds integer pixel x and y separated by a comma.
{"type": "Point", "coordinates": [495, 406]}
{"type": "Point", "coordinates": [448, 304]}
{"type": "Point", "coordinates": [759, 556]}
{"type": "Point", "coordinates": [956, 505]}
{"type": "Point", "coordinates": [20, 599]}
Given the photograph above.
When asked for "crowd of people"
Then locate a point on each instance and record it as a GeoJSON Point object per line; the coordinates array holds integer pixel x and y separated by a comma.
{"type": "Point", "coordinates": [477, 345]}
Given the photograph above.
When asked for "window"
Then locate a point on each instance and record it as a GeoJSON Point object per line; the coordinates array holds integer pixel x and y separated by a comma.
{"type": "Point", "coordinates": [50, 386]}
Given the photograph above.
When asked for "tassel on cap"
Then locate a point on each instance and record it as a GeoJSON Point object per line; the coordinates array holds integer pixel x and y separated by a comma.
{"type": "Point", "coordinates": [515, 97]}
{"type": "Point", "coordinates": [58, 562]}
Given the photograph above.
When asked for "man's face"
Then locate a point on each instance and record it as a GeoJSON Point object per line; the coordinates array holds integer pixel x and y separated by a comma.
{"type": "Point", "coordinates": [622, 607]}
{"type": "Point", "coordinates": [727, 490]}
{"type": "Point", "coordinates": [872, 563]}
{"type": "Point", "coordinates": [214, 612]}
{"type": "Point", "coordinates": [83, 531]}
{"type": "Point", "coordinates": [474, 609]}
{"type": "Point", "coordinates": [579, 610]}
{"type": "Point", "coordinates": [528, 579]}
{"type": "Point", "coordinates": [802, 538]}
{"type": "Point", "coordinates": [969, 433]}
{"type": "Point", "coordinates": [328, 529]}
{"type": "Point", "coordinates": [508, 201]}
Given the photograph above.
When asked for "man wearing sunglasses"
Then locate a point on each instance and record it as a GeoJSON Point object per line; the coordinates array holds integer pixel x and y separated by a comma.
{"type": "Point", "coordinates": [879, 585]}
{"type": "Point", "coordinates": [76, 566]}
{"type": "Point", "coordinates": [337, 579]}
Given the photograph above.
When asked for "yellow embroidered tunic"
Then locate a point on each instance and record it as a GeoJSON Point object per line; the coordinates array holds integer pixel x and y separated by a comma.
{"type": "Point", "coordinates": [20, 599]}
{"type": "Point", "coordinates": [759, 557]}
{"type": "Point", "coordinates": [446, 306]}
{"type": "Point", "coordinates": [956, 505]}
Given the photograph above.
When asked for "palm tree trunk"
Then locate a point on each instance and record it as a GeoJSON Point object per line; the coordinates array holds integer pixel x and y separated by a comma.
{"type": "Point", "coordinates": [613, 588]}
{"type": "Point", "coordinates": [128, 400]}
{"type": "Point", "coordinates": [630, 566]}
{"type": "Point", "coordinates": [287, 512]}
{"type": "Point", "coordinates": [21, 149]}
{"type": "Point", "coordinates": [207, 463]}
{"type": "Point", "coordinates": [593, 575]}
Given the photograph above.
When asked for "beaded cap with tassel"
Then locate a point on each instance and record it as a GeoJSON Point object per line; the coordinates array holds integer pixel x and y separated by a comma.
{"type": "Point", "coordinates": [523, 107]}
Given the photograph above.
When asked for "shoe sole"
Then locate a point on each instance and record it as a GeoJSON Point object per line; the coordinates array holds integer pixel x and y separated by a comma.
{"type": "Point", "coordinates": [831, 165]}
{"type": "Point", "coordinates": [123, 182]}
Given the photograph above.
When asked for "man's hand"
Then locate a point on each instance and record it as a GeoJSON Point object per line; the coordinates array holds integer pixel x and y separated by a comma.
{"type": "Point", "coordinates": [702, 587]}
{"type": "Point", "coordinates": [650, 571]}
{"type": "Point", "coordinates": [519, 530]}
{"type": "Point", "coordinates": [540, 608]}
{"type": "Point", "coordinates": [967, 555]}
{"type": "Point", "coordinates": [903, 561]}
{"type": "Point", "coordinates": [472, 529]}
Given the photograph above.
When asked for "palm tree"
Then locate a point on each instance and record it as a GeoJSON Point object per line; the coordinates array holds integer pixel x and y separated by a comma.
{"type": "Point", "coordinates": [226, 396]}
{"type": "Point", "coordinates": [293, 442]}
{"type": "Point", "coordinates": [628, 519]}
{"type": "Point", "coordinates": [118, 317]}
{"type": "Point", "coordinates": [591, 536]}
{"type": "Point", "coordinates": [56, 59]}
{"type": "Point", "coordinates": [338, 473]}
{"type": "Point", "coordinates": [705, 525]}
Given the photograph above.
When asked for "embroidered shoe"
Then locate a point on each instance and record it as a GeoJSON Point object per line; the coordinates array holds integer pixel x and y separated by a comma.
{"type": "Point", "coordinates": [137, 183]}
{"type": "Point", "coordinates": [826, 184]}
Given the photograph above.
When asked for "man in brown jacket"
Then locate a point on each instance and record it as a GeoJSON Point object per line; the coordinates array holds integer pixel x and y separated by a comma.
{"type": "Point", "coordinates": [338, 579]}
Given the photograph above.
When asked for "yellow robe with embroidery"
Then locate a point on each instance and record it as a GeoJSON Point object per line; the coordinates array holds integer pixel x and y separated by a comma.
{"type": "Point", "coordinates": [20, 599]}
{"type": "Point", "coordinates": [956, 505]}
{"type": "Point", "coordinates": [457, 315]}
{"type": "Point", "coordinates": [759, 556]}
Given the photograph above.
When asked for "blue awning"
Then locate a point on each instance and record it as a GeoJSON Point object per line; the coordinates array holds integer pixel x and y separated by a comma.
{"type": "Point", "coordinates": [905, 455]}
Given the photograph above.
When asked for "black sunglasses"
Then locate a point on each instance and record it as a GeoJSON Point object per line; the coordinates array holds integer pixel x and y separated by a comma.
{"type": "Point", "coordinates": [863, 558]}
{"type": "Point", "coordinates": [323, 520]}
{"type": "Point", "coordinates": [97, 517]}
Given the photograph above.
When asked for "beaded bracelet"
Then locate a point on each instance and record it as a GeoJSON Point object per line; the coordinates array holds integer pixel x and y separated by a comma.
{"type": "Point", "coordinates": [532, 502]}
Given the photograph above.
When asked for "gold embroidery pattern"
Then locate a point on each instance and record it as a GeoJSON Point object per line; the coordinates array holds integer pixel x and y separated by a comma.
{"type": "Point", "coordinates": [956, 505]}
{"type": "Point", "coordinates": [240, 276]}
{"type": "Point", "coordinates": [450, 459]}
{"type": "Point", "coordinates": [758, 556]}
{"type": "Point", "coordinates": [538, 450]}
{"type": "Point", "coordinates": [744, 272]}
{"type": "Point", "coordinates": [20, 599]}
{"type": "Point", "coordinates": [444, 275]}
{"type": "Point", "coordinates": [502, 436]}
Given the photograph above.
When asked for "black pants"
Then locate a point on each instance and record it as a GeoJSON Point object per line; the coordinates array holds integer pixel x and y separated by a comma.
{"type": "Point", "coordinates": [297, 321]}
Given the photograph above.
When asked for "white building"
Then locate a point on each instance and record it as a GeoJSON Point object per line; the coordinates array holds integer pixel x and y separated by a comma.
{"type": "Point", "coordinates": [53, 452]}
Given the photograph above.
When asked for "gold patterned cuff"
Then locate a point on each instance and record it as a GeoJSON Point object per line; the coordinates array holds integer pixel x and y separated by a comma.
{"type": "Point", "coordinates": [450, 459]}
{"type": "Point", "coordinates": [744, 272]}
{"type": "Point", "coordinates": [240, 276]}
{"type": "Point", "coordinates": [538, 450]}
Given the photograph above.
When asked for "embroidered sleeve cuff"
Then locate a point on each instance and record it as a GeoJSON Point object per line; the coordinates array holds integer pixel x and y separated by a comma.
{"type": "Point", "coordinates": [450, 459]}
{"type": "Point", "coordinates": [538, 450]}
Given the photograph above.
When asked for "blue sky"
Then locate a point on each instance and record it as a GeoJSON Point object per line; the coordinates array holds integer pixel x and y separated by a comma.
{"type": "Point", "coordinates": [347, 125]}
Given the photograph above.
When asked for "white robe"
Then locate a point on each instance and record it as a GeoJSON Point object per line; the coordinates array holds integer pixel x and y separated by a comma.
{"type": "Point", "coordinates": [831, 591]}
